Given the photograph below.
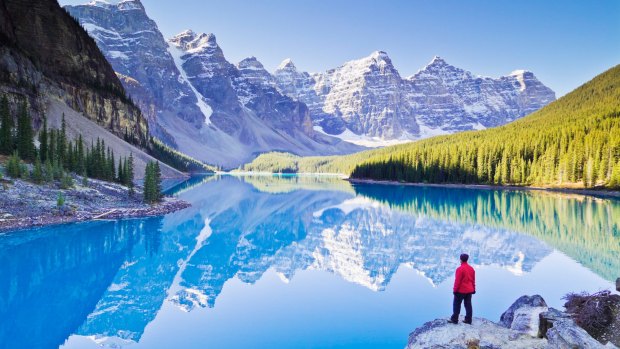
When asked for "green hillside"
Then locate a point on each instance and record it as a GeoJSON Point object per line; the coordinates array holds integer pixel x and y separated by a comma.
{"type": "Point", "coordinates": [572, 142]}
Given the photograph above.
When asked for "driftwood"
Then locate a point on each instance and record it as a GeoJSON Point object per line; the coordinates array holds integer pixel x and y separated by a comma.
{"type": "Point", "coordinates": [105, 214]}
{"type": "Point", "coordinates": [597, 313]}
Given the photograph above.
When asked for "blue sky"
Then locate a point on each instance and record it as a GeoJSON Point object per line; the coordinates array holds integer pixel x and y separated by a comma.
{"type": "Point", "coordinates": [565, 43]}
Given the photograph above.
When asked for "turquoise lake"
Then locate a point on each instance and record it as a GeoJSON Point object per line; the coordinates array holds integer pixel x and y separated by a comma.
{"type": "Point", "coordinates": [297, 262]}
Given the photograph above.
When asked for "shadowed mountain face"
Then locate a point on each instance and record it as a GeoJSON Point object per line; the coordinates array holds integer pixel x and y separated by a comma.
{"type": "Point", "coordinates": [115, 277]}
{"type": "Point", "coordinates": [45, 54]}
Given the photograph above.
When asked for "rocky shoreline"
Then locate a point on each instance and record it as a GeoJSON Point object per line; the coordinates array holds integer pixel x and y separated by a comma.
{"type": "Point", "coordinates": [591, 192]}
{"type": "Point", "coordinates": [25, 205]}
{"type": "Point", "coordinates": [528, 324]}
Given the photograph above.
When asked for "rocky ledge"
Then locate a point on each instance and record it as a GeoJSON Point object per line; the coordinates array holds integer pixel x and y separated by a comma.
{"type": "Point", "coordinates": [24, 204]}
{"type": "Point", "coordinates": [528, 323]}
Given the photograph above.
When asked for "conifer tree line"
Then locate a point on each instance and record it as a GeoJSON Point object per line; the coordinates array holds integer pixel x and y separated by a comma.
{"type": "Point", "coordinates": [57, 155]}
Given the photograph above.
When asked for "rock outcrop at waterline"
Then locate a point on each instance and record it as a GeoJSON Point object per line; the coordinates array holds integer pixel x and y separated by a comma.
{"type": "Point", "coordinates": [528, 323]}
{"type": "Point", "coordinates": [45, 53]}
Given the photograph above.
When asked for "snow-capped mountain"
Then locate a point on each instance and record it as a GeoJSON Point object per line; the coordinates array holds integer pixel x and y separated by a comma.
{"type": "Point", "coordinates": [196, 100]}
{"type": "Point", "coordinates": [452, 99]}
{"type": "Point", "coordinates": [367, 101]}
{"type": "Point", "coordinates": [219, 112]}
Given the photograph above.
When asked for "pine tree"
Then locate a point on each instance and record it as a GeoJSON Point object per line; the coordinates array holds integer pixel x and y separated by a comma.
{"type": "Point", "coordinates": [129, 175]}
{"type": "Point", "coordinates": [61, 141]}
{"type": "Point", "coordinates": [43, 141]}
{"type": "Point", "coordinates": [25, 143]}
{"type": "Point", "coordinates": [111, 166]}
{"type": "Point", "coordinates": [152, 183]}
{"type": "Point", "coordinates": [149, 185]}
{"type": "Point", "coordinates": [157, 180]}
{"type": "Point", "coordinates": [614, 181]}
{"type": "Point", "coordinates": [84, 179]}
{"type": "Point", "coordinates": [6, 128]}
{"type": "Point", "coordinates": [48, 171]}
{"type": "Point", "coordinates": [81, 163]}
{"type": "Point", "coordinates": [120, 177]}
{"type": "Point", "coordinates": [51, 153]}
{"type": "Point", "coordinates": [37, 172]}
{"type": "Point", "coordinates": [14, 166]}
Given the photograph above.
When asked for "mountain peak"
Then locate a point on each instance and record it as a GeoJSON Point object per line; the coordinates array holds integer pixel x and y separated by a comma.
{"type": "Point", "coordinates": [439, 67]}
{"type": "Point", "coordinates": [250, 63]}
{"type": "Point", "coordinates": [437, 61]}
{"type": "Point", "coordinates": [287, 64]}
{"type": "Point", "coordinates": [208, 39]}
{"type": "Point", "coordinates": [520, 72]}
{"type": "Point", "coordinates": [189, 40]}
{"type": "Point", "coordinates": [380, 58]}
{"type": "Point", "coordinates": [123, 5]}
{"type": "Point", "coordinates": [379, 54]}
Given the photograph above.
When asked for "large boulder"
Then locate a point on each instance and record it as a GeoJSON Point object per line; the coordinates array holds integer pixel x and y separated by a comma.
{"type": "Point", "coordinates": [524, 314]}
{"type": "Point", "coordinates": [548, 318]}
{"type": "Point", "coordinates": [565, 334]}
{"type": "Point", "coordinates": [482, 333]}
{"type": "Point", "coordinates": [527, 320]}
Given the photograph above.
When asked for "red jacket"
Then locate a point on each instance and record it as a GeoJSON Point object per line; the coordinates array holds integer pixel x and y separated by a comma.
{"type": "Point", "coordinates": [465, 279]}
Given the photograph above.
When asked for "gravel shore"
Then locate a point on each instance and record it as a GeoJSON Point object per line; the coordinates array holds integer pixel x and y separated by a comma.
{"type": "Point", "coordinates": [24, 204]}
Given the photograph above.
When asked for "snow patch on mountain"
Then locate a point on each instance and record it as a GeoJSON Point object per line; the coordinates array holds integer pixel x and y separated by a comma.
{"type": "Point", "coordinates": [367, 141]}
{"type": "Point", "coordinates": [177, 56]}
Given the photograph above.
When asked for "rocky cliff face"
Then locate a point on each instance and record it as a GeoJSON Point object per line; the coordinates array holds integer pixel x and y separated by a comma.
{"type": "Point", "coordinates": [137, 50]}
{"type": "Point", "coordinates": [366, 100]}
{"type": "Point", "coordinates": [196, 100]}
{"type": "Point", "coordinates": [45, 53]}
{"type": "Point", "coordinates": [365, 96]}
{"type": "Point", "coordinates": [249, 114]}
{"type": "Point", "coordinates": [452, 99]}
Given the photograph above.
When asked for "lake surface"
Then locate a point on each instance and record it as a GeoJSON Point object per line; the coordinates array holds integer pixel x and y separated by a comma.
{"type": "Point", "coordinates": [297, 262]}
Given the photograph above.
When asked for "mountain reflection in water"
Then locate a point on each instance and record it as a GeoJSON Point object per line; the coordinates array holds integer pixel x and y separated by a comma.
{"type": "Point", "coordinates": [108, 280]}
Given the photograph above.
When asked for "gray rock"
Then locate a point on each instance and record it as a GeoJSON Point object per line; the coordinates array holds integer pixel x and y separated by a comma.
{"type": "Point", "coordinates": [527, 319]}
{"type": "Point", "coordinates": [507, 317]}
{"type": "Point", "coordinates": [565, 334]}
{"type": "Point", "coordinates": [618, 284]}
{"type": "Point", "coordinates": [482, 333]}
{"type": "Point", "coordinates": [548, 318]}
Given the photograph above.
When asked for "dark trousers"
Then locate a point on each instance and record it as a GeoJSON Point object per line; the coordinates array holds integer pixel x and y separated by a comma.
{"type": "Point", "coordinates": [456, 306]}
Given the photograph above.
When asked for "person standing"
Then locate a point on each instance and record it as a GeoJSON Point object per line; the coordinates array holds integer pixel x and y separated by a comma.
{"type": "Point", "coordinates": [464, 288]}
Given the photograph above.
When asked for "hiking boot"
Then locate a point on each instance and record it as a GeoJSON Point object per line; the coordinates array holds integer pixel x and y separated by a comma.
{"type": "Point", "coordinates": [453, 321]}
{"type": "Point", "coordinates": [467, 322]}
